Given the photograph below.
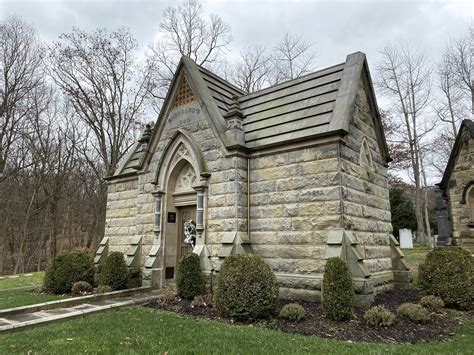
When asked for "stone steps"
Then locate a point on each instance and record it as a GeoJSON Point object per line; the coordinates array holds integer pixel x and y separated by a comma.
{"type": "Point", "coordinates": [19, 318]}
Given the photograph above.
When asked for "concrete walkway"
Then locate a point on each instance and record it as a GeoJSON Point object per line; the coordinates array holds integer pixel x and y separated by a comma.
{"type": "Point", "coordinates": [13, 321]}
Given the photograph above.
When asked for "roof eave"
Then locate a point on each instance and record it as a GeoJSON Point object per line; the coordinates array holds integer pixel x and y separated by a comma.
{"type": "Point", "coordinates": [465, 124]}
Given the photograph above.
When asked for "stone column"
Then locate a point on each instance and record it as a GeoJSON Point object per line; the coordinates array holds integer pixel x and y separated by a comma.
{"type": "Point", "coordinates": [201, 248]}
{"type": "Point", "coordinates": [236, 239]}
{"type": "Point", "coordinates": [153, 274]}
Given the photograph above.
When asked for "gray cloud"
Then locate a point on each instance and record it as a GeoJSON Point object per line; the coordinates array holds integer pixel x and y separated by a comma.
{"type": "Point", "coordinates": [336, 28]}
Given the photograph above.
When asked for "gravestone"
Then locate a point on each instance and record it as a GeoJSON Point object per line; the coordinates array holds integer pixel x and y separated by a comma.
{"type": "Point", "coordinates": [406, 239]}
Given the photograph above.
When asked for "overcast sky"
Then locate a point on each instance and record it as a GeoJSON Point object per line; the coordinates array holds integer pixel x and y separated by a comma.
{"type": "Point", "coordinates": [336, 28]}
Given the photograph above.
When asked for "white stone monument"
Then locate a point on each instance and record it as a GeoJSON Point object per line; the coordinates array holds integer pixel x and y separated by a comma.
{"type": "Point", "coordinates": [406, 239]}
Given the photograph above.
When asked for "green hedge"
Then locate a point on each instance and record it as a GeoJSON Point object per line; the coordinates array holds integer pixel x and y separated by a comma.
{"type": "Point", "coordinates": [246, 288]}
{"type": "Point", "coordinates": [447, 272]}
{"type": "Point", "coordinates": [189, 278]}
{"type": "Point", "coordinates": [114, 272]}
{"type": "Point", "coordinates": [66, 269]}
{"type": "Point", "coordinates": [338, 290]}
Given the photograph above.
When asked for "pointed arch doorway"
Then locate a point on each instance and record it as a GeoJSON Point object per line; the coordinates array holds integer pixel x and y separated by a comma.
{"type": "Point", "coordinates": [181, 187]}
{"type": "Point", "coordinates": [181, 209]}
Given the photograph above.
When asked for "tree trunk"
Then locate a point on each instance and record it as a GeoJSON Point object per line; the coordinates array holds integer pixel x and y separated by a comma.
{"type": "Point", "coordinates": [22, 251]}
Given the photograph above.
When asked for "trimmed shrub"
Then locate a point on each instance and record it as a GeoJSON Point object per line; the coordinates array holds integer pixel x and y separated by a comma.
{"type": "Point", "coordinates": [448, 273]}
{"type": "Point", "coordinates": [292, 311]}
{"type": "Point", "coordinates": [414, 312]}
{"type": "Point", "coordinates": [114, 272]}
{"type": "Point", "coordinates": [81, 288]}
{"type": "Point", "coordinates": [246, 288]}
{"type": "Point", "coordinates": [202, 301]}
{"type": "Point", "coordinates": [103, 289]}
{"type": "Point", "coordinates": [338, 290]}
{"type": "Point", "coordinates": [66, 269]}
{"type": "Point", "coordinates": [189, 278]}
{"type": "Point", "coordinates": [432, 303]}
{"type": "Point", "coordinates": [379, 316]}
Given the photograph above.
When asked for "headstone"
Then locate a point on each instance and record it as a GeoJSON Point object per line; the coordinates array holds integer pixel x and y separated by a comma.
{"type": "Point", "coordinates": [406, 239]}
{"type": "Point", "coordinates": [442, 217]}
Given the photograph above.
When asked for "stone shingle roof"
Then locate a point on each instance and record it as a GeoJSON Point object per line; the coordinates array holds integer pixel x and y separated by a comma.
{"type": "Point", "coordinates": [468, 126]}
{"type": "Point", "coordinates": [221, 90]}
{"type": "Point", "coordinates": [317, 104]}
{"type": "Point", "coordinates": [294, 109]}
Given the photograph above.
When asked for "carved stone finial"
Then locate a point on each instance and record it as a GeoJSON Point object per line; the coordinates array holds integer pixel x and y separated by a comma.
{"type": "Point", "coordinates": [234, 115]}
{"type": "Point", "coordinates": [146, 135]}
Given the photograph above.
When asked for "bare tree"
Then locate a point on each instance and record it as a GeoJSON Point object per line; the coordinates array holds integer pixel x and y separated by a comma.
{"type": "Point", "coordinates": [450, 107]}
{"type": "Point", "coordinates": [100, 77]}
{"type": "Point", "coordinates": [397, 146]}
{"type": "Point", "coordinates": [405, 77]}
{"type": "Point", "coordinates": [253, 69]}
{"type": "Point", "coordinates": [293, 57]}
{"type": "Point", "coordinates": [460, 55]}
{"type": "Point", "coordinates": [184, 30]}
{"type": "Point", "coordinates": [21, 74]}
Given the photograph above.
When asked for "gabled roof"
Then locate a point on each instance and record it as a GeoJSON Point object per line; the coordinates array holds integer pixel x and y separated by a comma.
{"type": "Point", "coordinates": [468, 126]}
{"type": "Point", "coordinates": [317, 104]}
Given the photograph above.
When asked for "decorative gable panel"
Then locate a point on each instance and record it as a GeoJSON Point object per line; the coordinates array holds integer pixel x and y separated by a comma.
{"type": "Point", "coordinates": [184, 94]}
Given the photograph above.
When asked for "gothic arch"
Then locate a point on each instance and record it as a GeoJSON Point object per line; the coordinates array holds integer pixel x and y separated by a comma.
{"type": "Point", "coordinates": [466, 191]}
{"type": "Point", "coordinates": [181, 147]}
{"type": "Point", "coordinates": [365, 157]}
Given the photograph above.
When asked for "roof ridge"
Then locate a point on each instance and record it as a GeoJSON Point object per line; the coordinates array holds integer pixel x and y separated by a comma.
{"type": "Point", "coordinates": [306, 76]}
{"type": "Point", "coordinates": [224, 81]}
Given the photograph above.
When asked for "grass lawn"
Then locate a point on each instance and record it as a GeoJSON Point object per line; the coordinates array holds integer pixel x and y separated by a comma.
{"type": "Point", "coordinates": [23, 297]}
{"type": "Point", "coordinates": [20, 291]}
{"type": "Point", "coordinates": [146, 331]}
{"type": "Point", "coordinates": [35, 279]}
{"type": "Point", "coordinates": [414, 257]}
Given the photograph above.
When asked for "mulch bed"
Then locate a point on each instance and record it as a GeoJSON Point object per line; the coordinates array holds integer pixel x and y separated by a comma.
{"type": "Point", "coordinates": [440, 327]}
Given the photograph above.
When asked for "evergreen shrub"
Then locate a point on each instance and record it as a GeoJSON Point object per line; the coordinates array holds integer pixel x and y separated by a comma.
{"type": "Point", "coordinates": [66, 269]}
{"type": "Point", "coordinates": [246, 288]}
{"type": "Point", "coordinates": [114, 271]}
{"type": "Point", "coordinates": [447, 272]}
{"type": "Point", "coordinates": [338, 295]}
{"type": "Point", "coordinates": [189, 278]}
{"type": "Point", "coordinates": [292, 311]}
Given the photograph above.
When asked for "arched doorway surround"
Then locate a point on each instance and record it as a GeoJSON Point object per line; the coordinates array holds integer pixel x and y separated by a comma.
{"type": "Point", "coordinates": [180, 193]}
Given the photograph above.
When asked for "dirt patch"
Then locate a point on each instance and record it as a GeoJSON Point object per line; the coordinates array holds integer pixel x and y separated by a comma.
{"type": "Point", "coordinates": [441, 326]}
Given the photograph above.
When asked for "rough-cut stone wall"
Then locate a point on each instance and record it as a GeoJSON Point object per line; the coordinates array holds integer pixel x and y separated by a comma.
{"type": "Point", "coordinates": [365, 192]}
{"type": "Point", "coordinates": [294, 202]}
{"type": "Point", "coordinates": [227, 199]}
{"type": "Point", "coordinates": [121, 221]}
{"type": "Point", "coordinates": [462, 174]}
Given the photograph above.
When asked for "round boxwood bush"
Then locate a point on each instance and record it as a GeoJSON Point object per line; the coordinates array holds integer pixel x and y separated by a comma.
{"type": "Point", "coordinates": [338, 291]}
{"type": "Point", "coordinates": [66, 269]}
{"type": "Point", "coordinates": [432, 303]}
{"type": "Point", "coordinates": [189, 278]}
{"type": "Point", "coordinates": [414, 312]}
{"type": "Point", "coordinates": [379, 316]}
{"type": "Point", "coordinates": [292, 311]}
{"type": "Point", "coordinates": [81, 288]}
{"type": "Point", "coordinates": [448, 273]}
{"type": "Point", "coordinates": [246, 288]}
{"type": "Point", "coordinates": [114, 272]}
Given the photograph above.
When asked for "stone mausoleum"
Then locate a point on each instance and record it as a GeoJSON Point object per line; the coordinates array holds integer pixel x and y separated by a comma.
{"type": "Point", "coordinates": [455, 197]}
{"type": "Point", "coordinates": [295, 173]}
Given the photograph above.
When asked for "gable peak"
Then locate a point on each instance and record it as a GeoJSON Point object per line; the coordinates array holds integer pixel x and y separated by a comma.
{"type": "Point", "coordinates": [184, 94]}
